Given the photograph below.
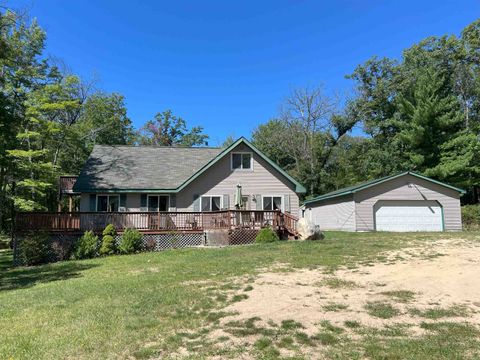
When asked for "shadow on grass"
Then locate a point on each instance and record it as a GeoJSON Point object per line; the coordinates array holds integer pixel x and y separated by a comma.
{"type": "Point", "coordinates": [12, 278]}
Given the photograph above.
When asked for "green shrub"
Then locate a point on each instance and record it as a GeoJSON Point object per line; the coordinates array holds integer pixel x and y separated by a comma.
{"type": "Point", "coordinates": [36, 249]}
{"type": "Point", "coordinates": [131, 241]}
{"type": "Point", "coordinates": [266, 235]}
{"type": "Point", "coordinates": [471, 217]}
{"type": "Point", "coordinates": [109, 247]}
{"type": "Point", "coordinates": [109, 230]}
{"type": "Point", "coordinates": [87, 246]}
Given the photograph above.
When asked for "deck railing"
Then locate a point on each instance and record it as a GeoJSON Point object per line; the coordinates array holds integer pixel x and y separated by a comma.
{"type": "Point", "coordinates": [154, 221]}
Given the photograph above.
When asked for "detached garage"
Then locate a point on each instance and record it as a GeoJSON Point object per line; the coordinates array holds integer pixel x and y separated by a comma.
{"type": "Point", "coordinates": [403, 202]}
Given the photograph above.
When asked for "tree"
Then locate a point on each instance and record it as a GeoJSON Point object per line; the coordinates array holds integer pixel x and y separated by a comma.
{"type": "Point", "coordinates": [229, 140]}
{"type": "Point", "coordinates": [303, 136]}
{"type": "Point", "coordinates": [169, 130]}
{"type": "Point", "coordinates": [428, 115]}
{"type": "Point", "coordinates": [270, 137]}
{"type": "Point", "coordinates": [33, 169]}
{"type": "Point", "coordinates": [22, 71]}
{"type": "Point", "coordinates": [420, 110]}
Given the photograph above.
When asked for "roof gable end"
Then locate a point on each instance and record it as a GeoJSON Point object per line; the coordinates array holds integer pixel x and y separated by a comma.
{"type": "Point", "coordinates": [359, 187]}
{"type": "Point", "coordinates": [299, 188]}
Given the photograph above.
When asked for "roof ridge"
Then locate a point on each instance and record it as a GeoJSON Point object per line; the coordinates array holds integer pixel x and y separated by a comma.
{"type": "Point", "coordinates": [160, 146]}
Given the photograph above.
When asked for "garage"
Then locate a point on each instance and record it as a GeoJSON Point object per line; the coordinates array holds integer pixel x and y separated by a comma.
{"type": "Point", "coordinates": [407, 215]}
{"type": "Point", "coordinates": [403, 202]}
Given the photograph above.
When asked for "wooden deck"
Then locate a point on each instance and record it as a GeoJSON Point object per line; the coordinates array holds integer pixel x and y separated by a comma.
{"type": "Point", "coordinates": [155, 221]}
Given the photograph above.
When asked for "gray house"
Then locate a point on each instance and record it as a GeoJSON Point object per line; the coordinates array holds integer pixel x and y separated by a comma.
{"type": "Point", "coordinates": [403, 202]}
{"type": "Point", "coordinates": [184, 179]}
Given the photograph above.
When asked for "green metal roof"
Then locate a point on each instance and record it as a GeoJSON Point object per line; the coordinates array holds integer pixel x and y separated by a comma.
{"type": "Point", "coordinates": [153, 169]}
{"type": "Point", "coordinates": [361, 186]}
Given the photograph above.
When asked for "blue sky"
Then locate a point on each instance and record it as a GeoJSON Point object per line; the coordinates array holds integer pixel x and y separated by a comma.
{"type": "Point", "coordinates": [227, 65]}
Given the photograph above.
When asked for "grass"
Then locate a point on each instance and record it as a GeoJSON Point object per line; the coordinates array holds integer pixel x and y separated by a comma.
{"type": "Point", "coordinates": [334, 307]}
{"type": "Point", "coordinates": [438, 312]}
{"type": "Point", "coordinates": [403, 296]}
{"type": "Point", "coordinates": [381, 310]}
{"type": "Point", "coordinates": [337, 283]}
{"type": "Point", "coordinates": [118, 307]}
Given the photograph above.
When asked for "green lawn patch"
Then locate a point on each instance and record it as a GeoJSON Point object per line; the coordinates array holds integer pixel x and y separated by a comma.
{"type": "Point", "coordinates": [403, 296]}
{"type": "Point", "coordinates": [438, 312]}
{"type": "Point", "coordinates": [136, 305]}
{"type": "Point", "coordinates": [381, 310]}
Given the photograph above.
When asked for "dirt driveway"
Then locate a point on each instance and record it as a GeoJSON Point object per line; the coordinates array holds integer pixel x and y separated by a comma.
{"type": "Point", "coordinates": [404, 290]}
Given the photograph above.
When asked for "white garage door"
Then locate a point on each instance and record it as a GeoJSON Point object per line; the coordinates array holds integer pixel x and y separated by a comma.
{"type": "Point", "coordinates": [408, 216]}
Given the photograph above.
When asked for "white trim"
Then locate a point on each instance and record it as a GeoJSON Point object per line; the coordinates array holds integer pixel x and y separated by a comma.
{"type": "Point", "coordinates": [108, 201]}
{"type": "Point", "coordinates": [158, 195]}
{"type": "Point", "coordinates": [210, 196]}
{"type": "Point", "coordinates": [241, 162]}
{"type": "Point", "coordinates": [272, 196]}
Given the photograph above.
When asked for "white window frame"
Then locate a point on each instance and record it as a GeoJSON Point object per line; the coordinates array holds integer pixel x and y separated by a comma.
{"type": "Point", "coordinates": [211, 196]}
{"type": "Point", "coordinates": [241, 162]}
{"type": "Point", "coordinates": [282, 207]}
{"type": "Point", "coordinates": [108, 201]}
{"type": "Point", "coordinates": [158, 195]}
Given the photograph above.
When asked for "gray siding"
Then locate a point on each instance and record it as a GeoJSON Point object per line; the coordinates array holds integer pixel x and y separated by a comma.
{"type": "Point", "coordinates": [333, 214]}
{"type": "Point", "coordinates": [407, 188]}
{"type": "Point", "coordinates": [221, 180]}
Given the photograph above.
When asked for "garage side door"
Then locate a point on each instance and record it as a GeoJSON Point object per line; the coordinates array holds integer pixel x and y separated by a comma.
{"type": "Point", "coordinates": [419, 215]}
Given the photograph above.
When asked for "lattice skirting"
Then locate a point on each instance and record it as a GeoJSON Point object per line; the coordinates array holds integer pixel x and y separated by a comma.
{"type": "Point", "coordinates": [242, 236]}
{"type": "Point", "coordinates": [158, 242]}
{"type": "Point", "coordinates": [63, 244]}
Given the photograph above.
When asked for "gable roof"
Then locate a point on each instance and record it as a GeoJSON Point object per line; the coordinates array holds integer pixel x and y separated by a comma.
{"type": "Point", "coordinates": [154, 168]}
{"type": "Point", "coordinates": [364, 185]}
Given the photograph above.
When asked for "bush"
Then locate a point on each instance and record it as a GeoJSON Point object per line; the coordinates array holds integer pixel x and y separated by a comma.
{"type": "Point", "coordinates": [36, 249]}
{"type": "Point", "coordinates": [108, 241]}
{"type": "Point", "coordinates": [317, 235]}
{"type": "Point", "coordinates": [109, 230]}
{"type": "Point", "coordinates": [63, 247]}
{"type": "Point", "coordinates": [150, 245]}
{"type": "Point", "coordinates": [266, 235]}
{"type": "Point", "coordinates": [87, 246]}
{"type": "Point", "coordinates": [131, 241]}
{"type": "Point", "coordinates": [108, 245]}
{"type": "Point", "coordinates": [471, 217]}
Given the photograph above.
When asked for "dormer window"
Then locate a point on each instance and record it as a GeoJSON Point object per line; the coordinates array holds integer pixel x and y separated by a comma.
{"type": "Point", "coordinates": [242, 161]}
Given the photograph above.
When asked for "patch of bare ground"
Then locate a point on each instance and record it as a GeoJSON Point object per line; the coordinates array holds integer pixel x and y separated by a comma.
{"type": "Point", "coordinates": [396, 295]}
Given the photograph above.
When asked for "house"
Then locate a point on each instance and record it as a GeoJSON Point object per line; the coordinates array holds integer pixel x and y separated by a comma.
{"type": "Point", "coordinates": [184, 179]}
{"type": "Point", "coordinates": [402, 202]}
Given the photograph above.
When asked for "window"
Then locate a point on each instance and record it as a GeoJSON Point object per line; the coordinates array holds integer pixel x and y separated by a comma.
{"type": "Point", "coordinates": [272, 203]}
{"type": "Point", "coordinates": [242, 161]}
{"type": "Point", "coordinates": [158, 202]}
{"type": "Point", "coordinates": [211, 203]}
{"type": "Point", "coordinates": [107, 202]}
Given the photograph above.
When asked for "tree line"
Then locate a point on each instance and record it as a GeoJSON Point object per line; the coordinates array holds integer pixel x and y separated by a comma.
{"type": "Point", "coordinates": [50, 119]}
{"type": "Point", "coordinates": [419, 113]}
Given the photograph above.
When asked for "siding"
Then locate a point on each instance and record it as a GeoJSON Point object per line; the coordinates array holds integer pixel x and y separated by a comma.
{"type": "Point", "coordinates": [133, 201]}
{"type": "Point", "coordinates": [221, 180]}
{"type": "Point", "coordinates": [333, 214]}
{"type": "Point", "coordinates": [407, 188]}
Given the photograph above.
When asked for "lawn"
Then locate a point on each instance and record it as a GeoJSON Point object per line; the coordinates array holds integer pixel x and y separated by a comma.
{"type": "Point", "coordinates": [167, 304]}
